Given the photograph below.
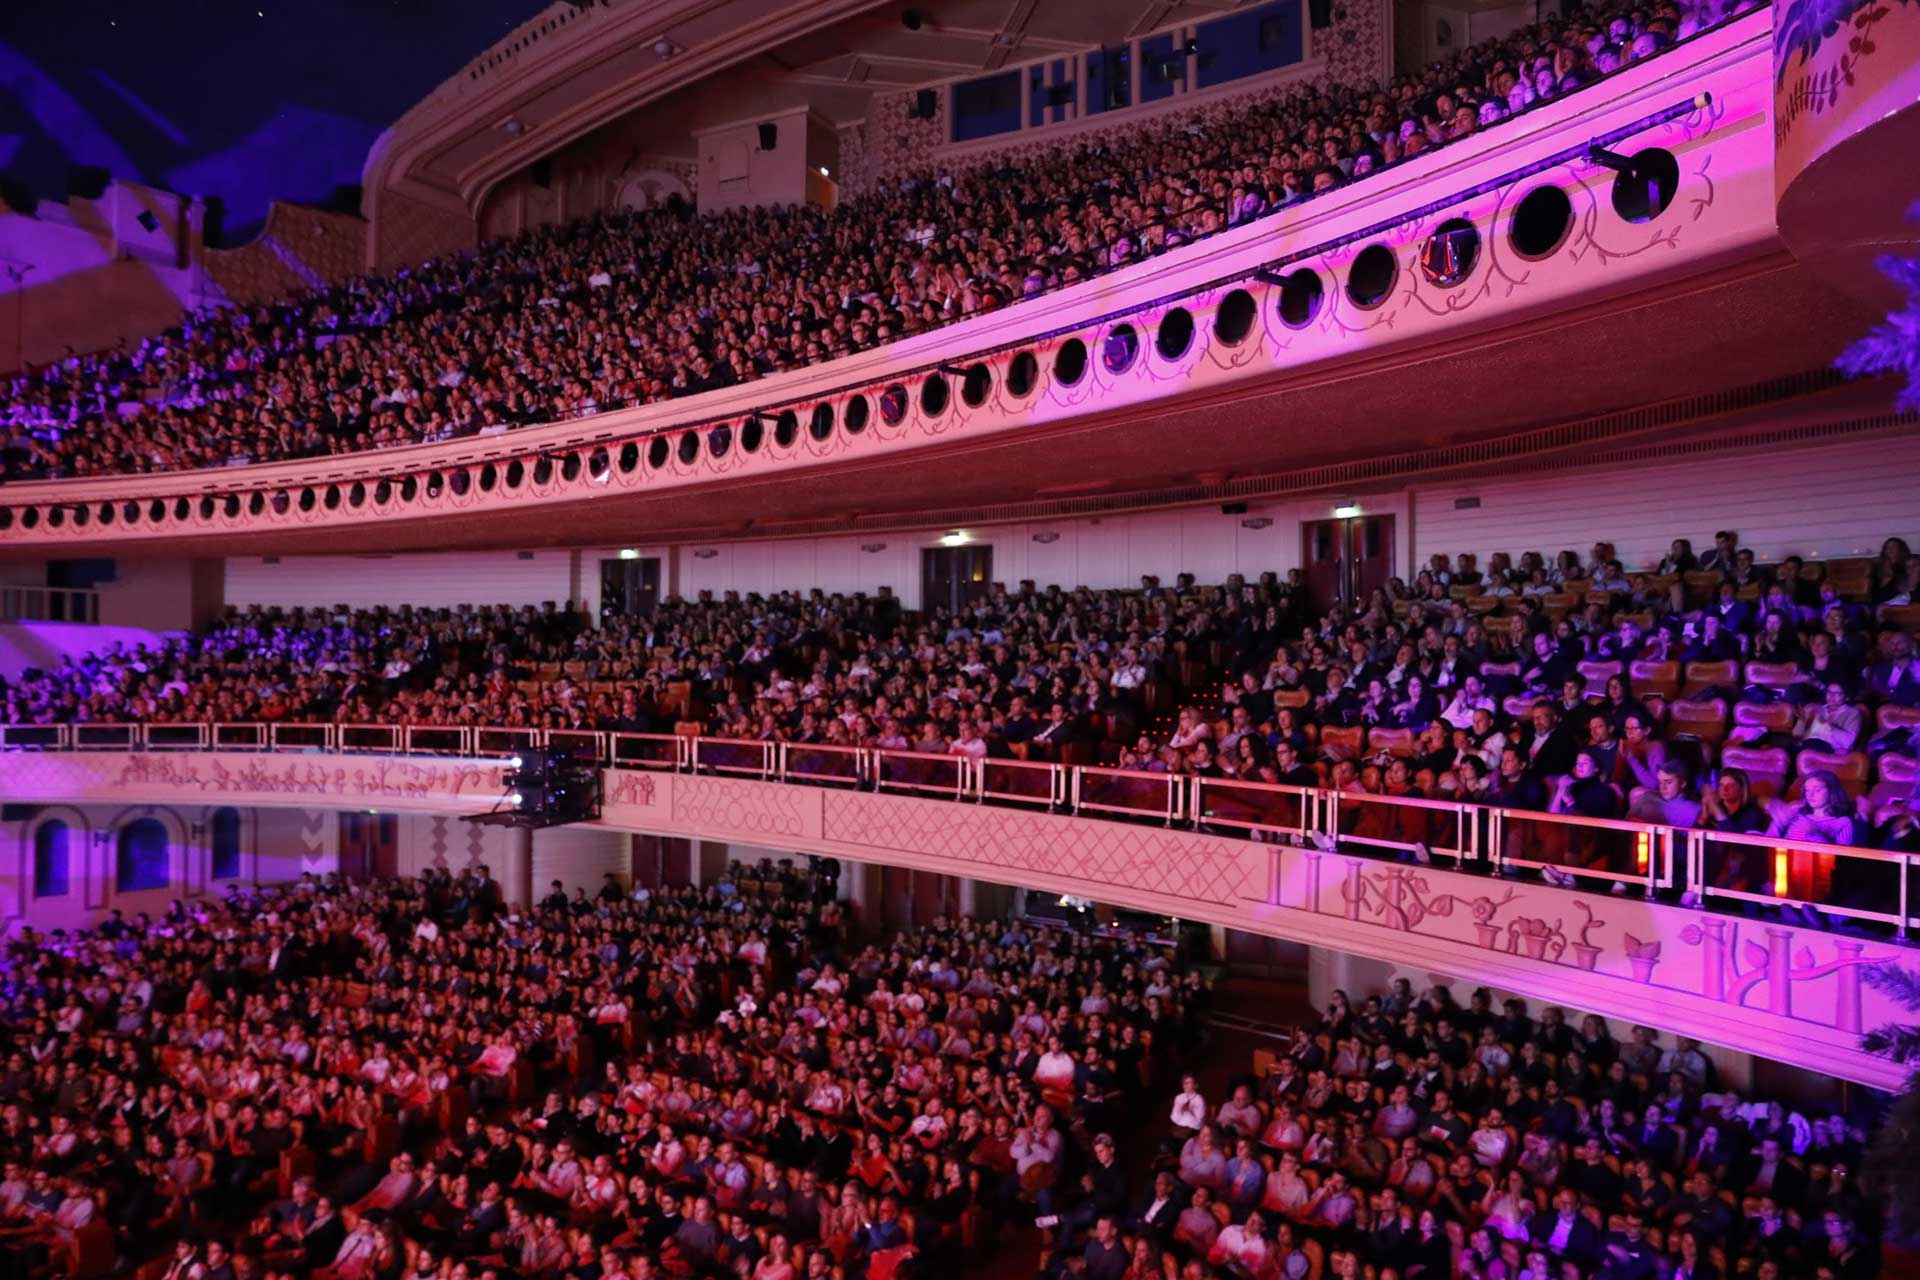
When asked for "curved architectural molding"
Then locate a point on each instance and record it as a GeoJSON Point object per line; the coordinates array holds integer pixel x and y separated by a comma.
{"type": "Point", "coordinates": [1846, 101]}
{"type": "Point", "coordinates": [1208, 326]}
{"type": "Point", "coordinates": [1789, 993]}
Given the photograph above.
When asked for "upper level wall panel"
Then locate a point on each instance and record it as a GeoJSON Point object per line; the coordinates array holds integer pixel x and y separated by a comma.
{"type": "Point", "coordinates": [439, 581]}
{"type": "Point", "coordinates": [1837, 500]}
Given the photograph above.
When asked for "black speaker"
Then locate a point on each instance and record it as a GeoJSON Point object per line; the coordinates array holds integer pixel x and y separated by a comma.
{"type": "Point", "coordinates": [1320, 14]}
{"type": "Point", "coordinates": [911, 19]}
{"type": "Point", "coordinates": [1233, 508]}
{"type": "Point", "coordinates": [541, 173]}
{"type": "Point", "coordinates": [1060, 95]}
{"type": "Point", "coordinates": [769, 136]}
{"type": "Point", "coordinates": [146, 219]}
{"type": "Point", "coordinates": [924, 104]}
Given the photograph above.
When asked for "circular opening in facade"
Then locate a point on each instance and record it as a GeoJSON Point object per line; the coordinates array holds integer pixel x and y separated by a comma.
{"type": "Point", "coordinates": [1301, 294]}
{"type": "Point", "coordinates": [719, 440]}
{"type": "Point", "coordinates": [1450, 252]}
{"type": "Point", "coordinates": [975, 385]}
{"type": "Point", "coordinates": [599, 464]}
{"type": "Point", "coordinates": [130, 512]}
{"type": "Point", "coordinates": [752, 433]}
{"type": "Point", "coordinates": [409, 489]}
{"type": "Point", "coordinates": [1234, 320]}
{"type": "Point", "coordinates": [232, 505]}
{"type": "Point", "coordinates": [333, 497]}
{"type": "Point", "coordinates": [689, 447]}
{"type": "Point", "coordinates": [934, 395]}
{"type": "Point", "coordinates": [542, 470]}
{"type": "Point", "coordinates": [30, 517]}
{"type": "Point", "coordinates": [82, 516]}
{"type": "Point", "coordinates": [1644, 191]}
{"type": "Point", "coordinates": [256, 503]}
{"type": "Point", "coordinates": [629, 457]}
{"type": "Point", "coordinates": [281, 502]}
{"type": "Point", "coordinates": [182, 508]}
{"type": "Point", "coordinates": [460, 481]}
{"type": "Point", "coordinates": [786, 428]}
{"type": "Point", "coordinates": [1176, 334]}
{"type": "Point", "coordinates": [1541, 222]}
{"type": "Point", "coordinates": [658, 451]}
{"type": "Point", "coordinates": [489, 477]}
{"type": "Point", "coordinates": [893, 405]}
{"type": "Point", "coordinates": [109, 513]}
{"type": "Point", "coordinates": [206, 507]}
{"type": "Point", "coordinates": [56, 516]}
{"type": "Point", "coordinates": [570, 468]}
{"type": "Point", "coordinates": [1023, 371]}
{"type": "Point", "coordinates": [435, 483]}
{"type": "Point", "coordinates": [1070, 362]}
{"type": "Point", "coordinates": [383, 492]}
{"type": "Point", "coordinates": [357, 496]}
{"type": "Point", "coordinates": [1370, 278]}
{"type": "Point", "coordinates": [855, 415]}
{"type": "Point", "coordinates": [1119, 348]}
{"type": "Point", "coordinates": [308, 500]}
{"type": "Point", "coordinates": [820, 423]}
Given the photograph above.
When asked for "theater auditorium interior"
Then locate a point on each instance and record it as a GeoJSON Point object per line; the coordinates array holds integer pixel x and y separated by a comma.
{"type": "Point", "coordinates": [846, 640]}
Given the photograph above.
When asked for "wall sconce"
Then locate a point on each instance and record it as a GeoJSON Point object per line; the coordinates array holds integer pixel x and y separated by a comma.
{"type": "Point", "coordinates": [1046, 539]}
{"type": "Point", "coordinates": [958, 538]}
{"type": "Point", "coordinates": [705, 553]}
{"type": "Point", "coordinates": [873, 548]}
{"type": "Point", "coordinates": [1346, 511]}
{"type": "Point", "coordinates": [1257, 522]}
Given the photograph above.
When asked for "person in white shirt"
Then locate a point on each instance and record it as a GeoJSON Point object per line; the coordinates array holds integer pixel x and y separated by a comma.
{"type": "Point", "coordinates": [1055, 1068]}
{"type": "Point", "coordinates": [1244, 1244]}
{"type": "Point", "coordinates": [1189, 1108]}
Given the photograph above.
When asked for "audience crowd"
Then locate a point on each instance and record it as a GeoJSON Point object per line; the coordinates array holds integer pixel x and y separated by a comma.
{"type": "Point", "coordinates": [406, 1080]}
{"type": "Point", "coordinates": [627, 308]}
{"type": "Point", "coordinates": [1528, 686]}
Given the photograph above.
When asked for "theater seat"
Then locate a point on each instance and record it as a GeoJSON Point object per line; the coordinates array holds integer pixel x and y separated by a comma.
{"type": "Point", "coordinates": [1770, 675]}
{"type": "Point", "coordinates": [1893, 717]}
{"type": "Point", "coordinates": [1766, 768]}
{"type": "Point", "coordinates": [1702, 676]}
{"type": "Point", "coordinates": [1703, 718]}
{"type": "Point", "coordinates": [1901, 617]}
{"type": "Point", "coordinates": [1341, 738]}
{"type": "Point", "coordinates": [1771, 717]}
{"type": "Point", "coordinates": [1853, 768]}
{"type": "Point", "coordinates": [1598, 673]}
{"type": "Point", "coordinates": [1660, 679]}
{"type": "Point", "coordinates": [1395, 742]}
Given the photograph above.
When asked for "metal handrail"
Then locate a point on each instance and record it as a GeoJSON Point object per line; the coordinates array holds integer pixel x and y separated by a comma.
{"type": "Point", "coordinates": [885, 779]}
{"type": "Point", "coordinates": [676, 744]}
{"type": "Point", "coordinates": [854, 775]}
{"type": "Point", "coordinates": [705, 748]}
{"type": "Point", "coordinates": [1778, 868]}
{"type": "Point", "coordinates": [34, 737]}
{"type": "Point", "coordinates": [1658, 847]}
{"type": "Point", "coordinates": [1665, 857]}
{"type": "Point", "coordinates": [1172, 811]}
{"type": "Point", "coordinates": [1465, 844]}
{"type": "Point", "coordinates": [1056, 779]}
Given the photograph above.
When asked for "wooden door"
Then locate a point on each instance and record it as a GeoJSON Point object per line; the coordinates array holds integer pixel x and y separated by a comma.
{"type": "Point", "coordinates": [1345, 559]}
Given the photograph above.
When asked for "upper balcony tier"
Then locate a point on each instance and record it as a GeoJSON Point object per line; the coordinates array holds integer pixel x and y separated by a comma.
{"type": "Point", "coordinates": [1509, 280]}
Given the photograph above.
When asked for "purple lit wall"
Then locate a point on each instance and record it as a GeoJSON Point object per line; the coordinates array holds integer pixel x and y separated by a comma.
{"type": "Point", "coordinates": [245, 101]}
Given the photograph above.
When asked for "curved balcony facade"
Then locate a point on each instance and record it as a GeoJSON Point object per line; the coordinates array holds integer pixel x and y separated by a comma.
{"type": "Point", "coordinates": [1429, 886]}
{"type": "Point", "coordinates": [1497, 241]}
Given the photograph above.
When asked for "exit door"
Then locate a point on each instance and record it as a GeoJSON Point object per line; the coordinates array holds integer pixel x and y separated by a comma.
{"type": "Point", "coordinates": [629, 588]}
{"type": "Point", "coordinates": [953, 578]}
{"type": "Point", "coordinates": [1346, 558]}
{"type": "Point", "coordinates": [369, 846]}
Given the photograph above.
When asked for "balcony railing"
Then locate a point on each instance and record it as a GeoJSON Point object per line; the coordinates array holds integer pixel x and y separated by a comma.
{"type": "Point", "coordinates": [49, 604]}
{"type": "Point", "coordinates": [1742, 873]}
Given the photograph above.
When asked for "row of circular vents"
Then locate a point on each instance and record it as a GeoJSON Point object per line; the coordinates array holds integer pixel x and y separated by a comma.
{"type": "Point", "coordinates": [1540, 225]}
